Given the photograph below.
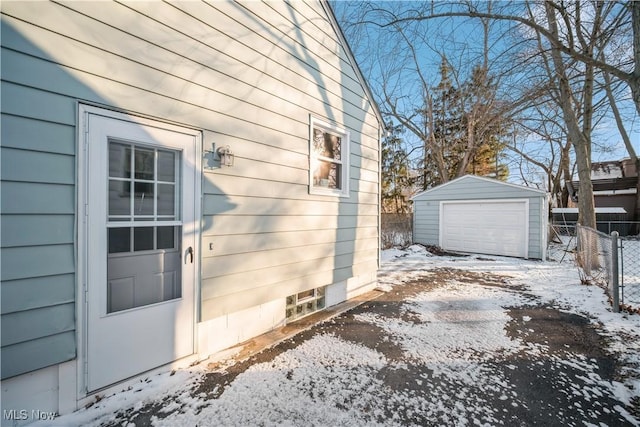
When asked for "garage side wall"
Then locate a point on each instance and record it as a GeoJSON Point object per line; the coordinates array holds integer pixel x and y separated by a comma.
{"type": "Point", "coordinates": [426, 218]}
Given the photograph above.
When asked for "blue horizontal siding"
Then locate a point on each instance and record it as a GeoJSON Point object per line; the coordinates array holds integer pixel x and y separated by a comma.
{"type": "Point", "coordinates": [37, 292]}
{"type": "Point", "coordinates": [36, 354]}
{"type": "Point", "coordinates": [38, 214]}
{"type": "Point", "coordinates": [36, 230]}
{"type": "Point", "coordinates": [37, 198]}
{"type": "Point", "coordinates": [426, 222]}
{"type": "Point", "coordinates": [37, 104]}
{"type": "Point", "coordinates": [32, 324]}
{"type": "Point", "coordinates": [37, 166]}
{"type": "Point", "coordinates": [36, 135]}
{"type": "Point", "coordinates": [36, 261]}
{"type": "Point", "coordinates": [38, 223]}
{"type": "Point", "coordinates": [27, 70]}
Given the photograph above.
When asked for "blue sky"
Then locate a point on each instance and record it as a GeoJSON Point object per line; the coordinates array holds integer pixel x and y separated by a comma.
{"type": "Point", "coordinates": [378, 54]}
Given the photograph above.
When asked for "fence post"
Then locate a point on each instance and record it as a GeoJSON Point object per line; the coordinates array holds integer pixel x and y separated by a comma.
{"type": "Point", "coordinates": [615, 289]}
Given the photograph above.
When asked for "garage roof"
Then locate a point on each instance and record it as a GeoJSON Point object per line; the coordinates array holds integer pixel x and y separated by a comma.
{"type": "Point", "coordinates": [471, 178]}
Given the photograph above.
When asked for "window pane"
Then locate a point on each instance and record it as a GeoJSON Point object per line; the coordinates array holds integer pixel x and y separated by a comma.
{"type": "Point", "coordinates": [144, 163]}
{"type": "Point", "coordinates": [119, 240]}
{"type": "Point", "coordinates": [166, 237]}
{"type": "Point", "coordinates": [166, 166]}
{"type": "Point", "coordinates": [143, 238]}
{"type": "Point", "coordinates": [327, 175]}
{"type": "Point", "coordinates": [326, 144]}
{"type": "Point", "coordinates": [119, 160]}
{"type": "Point", "coordinates": [318, 142]}
{"type": "Point", "coordinates": [119, 197]}
{"type": "Point", "coordinates": [143, 203]}
{"type": "Point", "coordinates": [334, 176]}
{"type": "Point", "coordinates": [166, 199]}
{"type": "Point", "coordinates": [333, 144]}
{"type": "Point", "coordinates": [305, 294]}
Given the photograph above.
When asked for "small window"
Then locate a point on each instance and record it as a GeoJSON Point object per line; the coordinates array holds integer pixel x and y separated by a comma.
{"type": "Point", "coordinates": [329, 159]}
{"type": "Point", "coordinates": [304, 303]}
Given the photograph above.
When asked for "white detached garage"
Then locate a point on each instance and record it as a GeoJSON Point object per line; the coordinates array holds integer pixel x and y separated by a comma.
{"type": "Point", "coordinates": [482, 215]}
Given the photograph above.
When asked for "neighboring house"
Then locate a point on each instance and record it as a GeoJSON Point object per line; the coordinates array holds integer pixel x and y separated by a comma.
{"type": "Point", "coordinates": [482, 215]}
{"type": "Point", "coordinates": [176, 178]}
{"type": "Point", "coordinates": [615, 193]}
{"type": "Point", "coordinates": [615, 184]}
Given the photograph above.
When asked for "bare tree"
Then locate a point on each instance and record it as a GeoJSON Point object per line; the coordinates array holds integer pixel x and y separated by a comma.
{"type": "Point", "coordinates": [624, 18]}
{"type": "Point", "coordinates": [625, 138]}
{"type": "Point", "coordinates": [572, 35]}
{"type": "Point", "coordinates": [465, 97]}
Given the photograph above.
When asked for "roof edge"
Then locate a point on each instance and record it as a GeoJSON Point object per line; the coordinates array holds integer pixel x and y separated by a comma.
{"type": "Point", "coordinates": [336, 26]}
{"type": "Point", "coordinates": [480, 178]}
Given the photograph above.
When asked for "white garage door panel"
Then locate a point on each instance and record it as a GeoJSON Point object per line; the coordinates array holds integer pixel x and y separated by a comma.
{"type": "Point", "coordinates": [497, 228]}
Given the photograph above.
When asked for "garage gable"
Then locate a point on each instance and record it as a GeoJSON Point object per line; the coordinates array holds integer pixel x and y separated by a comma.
{"type": "Point", "coordinates": [477, 187]}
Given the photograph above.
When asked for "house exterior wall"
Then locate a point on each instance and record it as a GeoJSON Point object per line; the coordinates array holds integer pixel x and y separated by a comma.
{"type": "Point", "coordinates": [625, 201]}
{"type": "Point", "coordinates": [249, 75]}
{"type": "Point", "coordinates": [426, 208]}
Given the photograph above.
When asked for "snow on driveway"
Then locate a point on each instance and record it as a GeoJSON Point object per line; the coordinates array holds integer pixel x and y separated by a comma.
{"type": "Point", "coordinates": [459, 349]}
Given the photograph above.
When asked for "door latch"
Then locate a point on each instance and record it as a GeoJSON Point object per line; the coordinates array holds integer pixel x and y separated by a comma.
{"type": "Point", "coordinates": [189, 253]}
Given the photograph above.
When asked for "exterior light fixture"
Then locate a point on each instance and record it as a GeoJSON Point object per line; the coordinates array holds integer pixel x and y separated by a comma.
{"type": "Point", "coordinates": [226, 156]}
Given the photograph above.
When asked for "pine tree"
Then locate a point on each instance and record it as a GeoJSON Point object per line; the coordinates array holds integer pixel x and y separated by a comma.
{"type": "Point", "coordinates": [396, 174]}
{"type": "Point", "coordinates": [466, 127]}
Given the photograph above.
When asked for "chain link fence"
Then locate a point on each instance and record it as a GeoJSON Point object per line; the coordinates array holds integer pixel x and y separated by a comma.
{"type": "Point", "coordinates": [630, 273]}
{"type": "Point", "coordinates": [606, 260]}
{"type": "Point", "coordinates": [396, 229]}
{"type": "Point", "coordinates": [597, 259]}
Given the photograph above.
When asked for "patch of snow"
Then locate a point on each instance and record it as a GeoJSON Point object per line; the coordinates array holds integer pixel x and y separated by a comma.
{"type": "Point", "coordinates": [327, 380]}
{"type": "Point", "coordinates": [302, 384]}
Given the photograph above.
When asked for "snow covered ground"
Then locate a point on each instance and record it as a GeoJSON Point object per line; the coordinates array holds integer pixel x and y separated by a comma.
{"type": "Point", "coordinates": [631, 266]}
{"type": "Point", "coordinates": [451, 331]}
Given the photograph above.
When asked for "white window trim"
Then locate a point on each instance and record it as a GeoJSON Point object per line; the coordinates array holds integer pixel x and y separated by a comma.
{"type": "Point", "coordinates": [345, 158]}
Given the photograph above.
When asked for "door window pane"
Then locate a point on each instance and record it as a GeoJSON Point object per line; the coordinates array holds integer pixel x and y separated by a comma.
{"type": "Point", "coordinates": [166, 166]}
{"type": "Point", "coordinates": [119, 240]}
{"type": "Point", "coordinates": [119, 160]}
{"type": "Point", "coordinates": [143, 239]}
{"type": "Point", "coordinates": [119, 197]}
{"type": "Point", "coordinates": [166, 237]}
{"type": "Point", "coordinates": [166, 199]}
{"type": "Point", "coordinates": [144, 163]}
{"type": "Point", "coordinates": [152, 194]}
{"type": "Point", "coordinates": [143, 203]}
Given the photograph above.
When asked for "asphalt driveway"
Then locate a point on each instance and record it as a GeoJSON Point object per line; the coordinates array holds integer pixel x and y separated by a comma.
{"type": "Point", "coordinates": [452, 343]}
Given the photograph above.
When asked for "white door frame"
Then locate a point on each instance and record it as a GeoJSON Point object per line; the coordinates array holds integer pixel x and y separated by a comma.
{"type": "Point", "coordinates": [84, 111]}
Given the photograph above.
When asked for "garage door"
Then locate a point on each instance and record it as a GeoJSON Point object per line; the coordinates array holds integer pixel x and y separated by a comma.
{"type": "Point", "coordinates": [485, 227]}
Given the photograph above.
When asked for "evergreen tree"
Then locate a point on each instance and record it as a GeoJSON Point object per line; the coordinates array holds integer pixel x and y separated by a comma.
{"type": "Point", "coordinates": [465, 129]}
{"type": "Point", "coordinates": [396, 176]}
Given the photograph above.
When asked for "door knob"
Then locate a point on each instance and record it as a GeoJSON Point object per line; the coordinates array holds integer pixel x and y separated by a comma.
{"type": "Point", "coordinates": [190, 254]}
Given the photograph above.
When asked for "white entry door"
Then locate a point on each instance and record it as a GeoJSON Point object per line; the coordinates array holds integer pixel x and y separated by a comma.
{"type": "Point", "coordinates": [141, 234]}
{"type": "Point", "coordinates": [496, 227]}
